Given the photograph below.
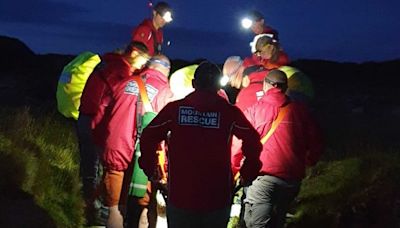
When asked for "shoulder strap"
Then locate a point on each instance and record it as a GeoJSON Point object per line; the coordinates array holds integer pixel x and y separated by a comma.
{"type": "Point", "coordinates": [143, 94]}
{"type": "Point", "coordinates": [275, 123]}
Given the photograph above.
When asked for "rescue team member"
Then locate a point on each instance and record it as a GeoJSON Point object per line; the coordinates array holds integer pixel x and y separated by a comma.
{"type": "Point", "coordinates": [118, 129]}
{"type": "Point", "coordinates": [258, 26]}
{"type": "Point", "coordinates": [201, 126]}
{"type": "Point", "coordinates": [150, 31]}
{"type": "Point", "coordinates": [248, 74]}
{"type": "Point", "coordinates": [143, 209]}
{"type": "Point", "coordinates": [113, 66]}
{"type": "Point", "coordinates": [295, 144]}
{"type": "Point", "coordinates": [248, 80]}
{"type": "Point", "coordinates": [181, 82]}
{"type": "Point", "coordinates": [266, 52]}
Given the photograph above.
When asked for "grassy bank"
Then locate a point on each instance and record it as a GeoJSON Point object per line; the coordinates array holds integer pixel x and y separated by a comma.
{"type": "Point", "coordinates": [356, 184]}
{"type": "Point", "coordinates": [38, 153]}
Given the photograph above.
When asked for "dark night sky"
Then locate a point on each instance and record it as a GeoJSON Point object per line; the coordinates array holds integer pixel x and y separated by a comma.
{"type": "Point", "coordinates": [341, 30]}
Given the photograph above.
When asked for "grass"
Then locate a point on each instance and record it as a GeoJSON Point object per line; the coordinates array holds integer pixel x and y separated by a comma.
{"type": "Point", "coordinates": [356, 184]}
{"type": "Point", "coordinates": [39, 152]}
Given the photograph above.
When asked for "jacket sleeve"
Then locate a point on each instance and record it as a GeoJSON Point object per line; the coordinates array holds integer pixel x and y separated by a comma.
{"type": "Point", "coordinates": [251, 147]}
{"type": "Point", "coordinates": [237, 155]}
{"type": "Point", "coordinates": [151, 136]}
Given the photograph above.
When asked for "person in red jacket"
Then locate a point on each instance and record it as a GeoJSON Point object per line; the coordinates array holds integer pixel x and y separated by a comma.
{"type": "Point", "coordinates": [255, 20]}
{"type": "Point", "coordinates": [295, 144]}
{"type": "Point", "coordinates": [117, 131]}
{"type": "Point", "coordinates": [155, 76]}
{"type": "Point", "coordinates": [257, 24]}
{"type": "Point", "coordinates": [201, 126]}
{"type": "Point", "coordinates": [248, 79]}
{"type": "Point", "coordinates": [150, 31]}
{"type": "Point", "coordinates": [91, 112]}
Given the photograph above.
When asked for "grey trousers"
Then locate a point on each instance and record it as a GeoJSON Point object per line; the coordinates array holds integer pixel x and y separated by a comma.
{"type": "Point", "coordinates": [267, 201]}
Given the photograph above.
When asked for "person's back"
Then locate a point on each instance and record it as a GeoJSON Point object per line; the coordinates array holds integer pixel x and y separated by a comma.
{"type": "Point", "coordinates": [203, 115]}
{"type": "Point", "coordinates": [292, 145]}
{"type": "Point", "coordinates": [291, 142]}
{"type": "Point", "coordinates": [250, 94]}
{"type": "Point", "coordinates": [201, 125]}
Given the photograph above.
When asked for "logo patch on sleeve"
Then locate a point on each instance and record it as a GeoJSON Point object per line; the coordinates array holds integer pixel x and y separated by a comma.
{"type": "Point", "coordinates": [190, 117]}
{"type": "Point", "coordinates": [132, 88]}
{"type": "Point", "coordinates": [151, 92]}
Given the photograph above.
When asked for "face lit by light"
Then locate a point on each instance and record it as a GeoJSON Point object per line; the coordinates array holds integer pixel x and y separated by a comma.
{"type": "Point", "coordinates": [224, 80]}
{"type": "Point", "coordinates": [140, 60]}
{"type": "Point", "coordinates": [167, 17]}
{"type": "Point", "coordinates": [246, 23]}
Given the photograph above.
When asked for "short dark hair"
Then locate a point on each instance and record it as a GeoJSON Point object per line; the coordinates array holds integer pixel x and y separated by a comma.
{"type": "Point", "coordinates": [277, 78]}
{"type": "Point", "coordinates": [138, 46]}
{"type": "Point", "coordinates": [162, 7]}
{"type": "Point", "coordinates": [207, 76]}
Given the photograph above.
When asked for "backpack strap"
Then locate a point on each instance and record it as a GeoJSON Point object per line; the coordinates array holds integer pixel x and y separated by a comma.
{"type": "Point", "coordinates": [143, 94]}
{"type": "Point", "coordinates": [282, 112]}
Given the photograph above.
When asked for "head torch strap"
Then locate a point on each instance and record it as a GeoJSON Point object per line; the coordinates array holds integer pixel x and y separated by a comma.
{"type": "Point", "coordinates": [161, 62]}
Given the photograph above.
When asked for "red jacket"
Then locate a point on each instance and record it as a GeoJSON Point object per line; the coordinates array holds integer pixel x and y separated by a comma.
{"type": "Point", "coordinates": [249, 95]}
{"type": "Point", "coordinates": [199, 149]}
{"type": "Point", "coordinates": [283, 60]}
{"type": "Point", "coordinates": [117, 130]}
{"type": "Point", "coordinates": [296, 142]}
{"type": "Point", "coordinates": [147, 34]}
{"type": "Point", "coordinates": [272, 31]}
{"type": "Point", "coordinates": [96, 85]}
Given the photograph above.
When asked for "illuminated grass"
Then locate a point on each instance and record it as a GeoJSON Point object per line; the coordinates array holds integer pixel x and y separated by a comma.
{"type": "Point", "coordinates": [44, 160]}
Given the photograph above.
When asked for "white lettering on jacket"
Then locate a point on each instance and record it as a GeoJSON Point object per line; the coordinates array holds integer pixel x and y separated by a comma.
{"type": "Point", "coordinates": [132, 88]}
{"type": "Point", "coordinates": [190, 117]}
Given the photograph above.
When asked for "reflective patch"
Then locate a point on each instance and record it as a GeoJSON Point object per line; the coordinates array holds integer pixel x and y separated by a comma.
{"type": "Point", "coordinates": [190, 117]}
{"type": "Point", "coordinates": [65, 77]}
{"type": "Point", "coordinates": [132, 88]}
{"type": "Point", "coordinates": [259, 94]}
{"type": "Point", "coordinates": [151, 92]}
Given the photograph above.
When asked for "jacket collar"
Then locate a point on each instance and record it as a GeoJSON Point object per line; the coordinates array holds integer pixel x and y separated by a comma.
{"type": "Point", "coordinates": [275, 97]}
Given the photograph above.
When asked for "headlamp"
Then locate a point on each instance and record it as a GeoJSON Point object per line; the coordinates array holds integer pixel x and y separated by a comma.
{"type": "Point", "coordinates": [224, 80]}
{"type": "Point", "coordinates": [161, 62]}
{"type": "Point", "coordinates": [167, 16]}
{"type": "Point", "coordinates": [247, 23]}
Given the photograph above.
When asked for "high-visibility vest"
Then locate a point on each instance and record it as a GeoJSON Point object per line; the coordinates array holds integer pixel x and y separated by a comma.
{"type": "Point", "coordinates": [72, 81]}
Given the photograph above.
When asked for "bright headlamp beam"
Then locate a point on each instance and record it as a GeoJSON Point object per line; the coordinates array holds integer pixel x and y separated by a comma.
{"type": "Point", "coordinates": [246, 23]}
{"type": "Point", "coordinates": [224, 80]}
{"type": "Point", "coordinates": [167, 17]}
